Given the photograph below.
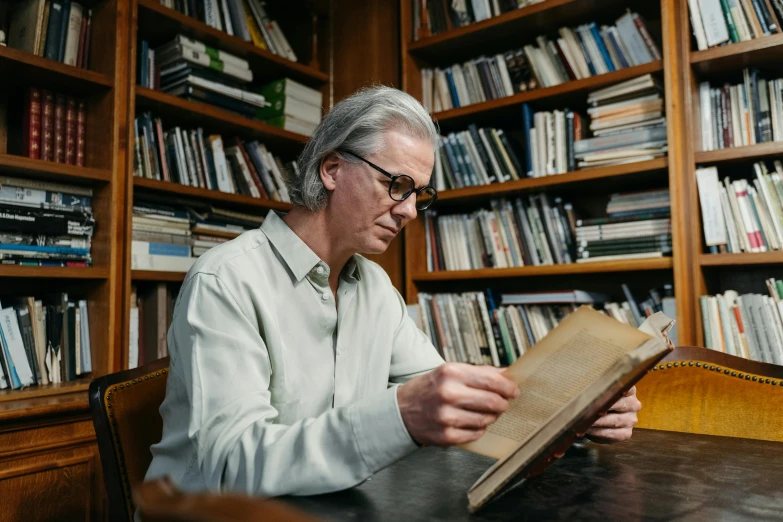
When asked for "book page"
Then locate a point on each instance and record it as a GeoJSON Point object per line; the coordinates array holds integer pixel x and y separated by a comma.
{"type": "Point", "coordinates": [557, 369]}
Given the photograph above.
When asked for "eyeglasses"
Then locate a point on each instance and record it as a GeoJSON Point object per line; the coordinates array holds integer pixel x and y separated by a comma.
{"type": "Point", "coordinates": [402, 185]}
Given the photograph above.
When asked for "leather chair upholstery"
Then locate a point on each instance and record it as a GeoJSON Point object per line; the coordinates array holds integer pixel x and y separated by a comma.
{"type": "Point", "coordinates": [697, 390]}
{"type": "Point", "coordinates": [125, 413]}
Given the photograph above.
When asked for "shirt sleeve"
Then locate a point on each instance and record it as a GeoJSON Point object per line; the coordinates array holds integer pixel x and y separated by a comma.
{"type": "Point", "coordinates": [217, 351]}
{"type": "Point", "coordinates": [412, 353]}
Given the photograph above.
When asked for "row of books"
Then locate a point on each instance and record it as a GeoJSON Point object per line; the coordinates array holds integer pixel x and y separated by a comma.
{"type": "Point", "coordinates": [444, 16]}
{"type": "Point", "coordinates": [189, 157]}
{"type": "Point", "coordinates": [43, 341]}
{"type": "Point", "coordinates": [745, 215]}
{"type": "Point", "coordinates": [43, 223]}
{"type": "Point", "coordinates": [578, 53]}
{"type": "Point", "coordinates": [536, 231]}
{"type": "Point", "coordinates": [245, 19]}
{"type": "Point", "coordinates": [744, 114]}
{"type": "Point", "coordinates": [748, 325]}
{"type": "Point", "coordinates": [170, 238]}
{"type": "Point", "coordinates": [53, 126]}
{"type": "Point", "coordinates": [718, 22]}
{"type": "Point", "coordinates": [55, 29]}
{"type": "Point", "coordinates": [476, 328]}
{"type": "Point", "coordinates": [151, 307]}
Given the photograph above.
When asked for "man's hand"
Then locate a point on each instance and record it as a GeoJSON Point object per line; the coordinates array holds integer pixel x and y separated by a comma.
{"type": "Point", "coordinates": [454, 403]}
{"type": "Point", "coordinates": [617, 424]}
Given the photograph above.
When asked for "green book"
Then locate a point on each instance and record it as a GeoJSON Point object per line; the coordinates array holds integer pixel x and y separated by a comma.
{"type": "Point", "coordinates": [733, 34]}
{"type": "Point", "coordinates": [288, 87]}
{"type": "Point", "coordinates": [289, 106]}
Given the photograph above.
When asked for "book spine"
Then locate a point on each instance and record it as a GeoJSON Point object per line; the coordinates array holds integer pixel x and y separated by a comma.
{"type": "Point", "coordinates": [70, 131]}
{"type": "Point", "coordinates": [31, 124]}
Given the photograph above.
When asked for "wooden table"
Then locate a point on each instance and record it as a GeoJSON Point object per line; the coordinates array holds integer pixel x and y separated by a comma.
{"type": "Point", "coordinates": [655, 476]}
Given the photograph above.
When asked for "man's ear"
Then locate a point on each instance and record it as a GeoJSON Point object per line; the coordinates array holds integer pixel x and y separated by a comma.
{"type": "Point", "coordinates": [329, 171]}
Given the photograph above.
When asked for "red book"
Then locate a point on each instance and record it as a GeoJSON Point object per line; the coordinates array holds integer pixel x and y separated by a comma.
{"type": "Point", "coordinates": [59, 128]}
{"type": "Point", "coordinates": [81, 116]}
{"type": "Point", "coordinates": [82, 38]}
{"type": "Point", "coordinates": [70, 131]}
{"type": "Point", "coordinates": [31, 123]}
{"type": "Point", "coordinates": [47, 125]}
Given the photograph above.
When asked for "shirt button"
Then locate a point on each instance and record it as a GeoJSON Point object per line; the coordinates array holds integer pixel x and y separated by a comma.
{"type": "Point", "coordinates": [324, 296]}
{"type": "Point", "coordinates": [320, 270]}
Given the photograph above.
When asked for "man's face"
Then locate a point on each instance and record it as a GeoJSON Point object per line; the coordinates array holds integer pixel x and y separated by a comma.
{"type": "Point", "coordinates": [364, 215]}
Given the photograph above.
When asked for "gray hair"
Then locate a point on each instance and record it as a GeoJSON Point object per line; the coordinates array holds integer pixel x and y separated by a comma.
{"type": "Point", "coordinates": [357, 123]}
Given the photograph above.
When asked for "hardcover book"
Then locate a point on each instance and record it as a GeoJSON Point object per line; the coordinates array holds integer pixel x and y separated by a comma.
{"type": "Point", "coordinates": [567, 380]}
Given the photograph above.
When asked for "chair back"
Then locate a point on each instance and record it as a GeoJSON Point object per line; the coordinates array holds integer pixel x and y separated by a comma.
{"type": "Point", "coordinates": [125, 412]}
{"type": "Point", "coordinates": [697, 390]}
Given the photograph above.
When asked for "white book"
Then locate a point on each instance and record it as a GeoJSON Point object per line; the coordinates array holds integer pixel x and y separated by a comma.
{"type": "Point", "coordinates": [224, 181]}
{"type": "Point", "coordinates": [86, 346]}
{"type": "Point", "coordinates": [711, 210]}
{"type": "Point", "coordinates": [11, 338]}
{"type": "Point", "coordinates": [697, 25]}
{"type": "Point", "coordinates": [74, 32]}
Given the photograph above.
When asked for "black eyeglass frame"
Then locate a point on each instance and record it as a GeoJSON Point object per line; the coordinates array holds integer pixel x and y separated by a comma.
{"type": "Point", "coordinates": [394, 178]}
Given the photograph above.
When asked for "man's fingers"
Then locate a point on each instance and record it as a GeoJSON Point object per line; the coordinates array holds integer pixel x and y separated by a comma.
{"type": "Point", "coordinates": [630, 392]}
{"type": "Point", "coordinates": [607, 436]}
{"type": "Point", "coordinates": [481, 401]}
{"type": "Point", "coordinates": [454, 417]}
{"type": "Point", "coordinates": [616, 421]}
{"type": "Point", "coordinates": [455, 436]}
{"type": "Point", "coordinates": [626, 404]}
{"type": "Point", "coordinates": [487, 378]}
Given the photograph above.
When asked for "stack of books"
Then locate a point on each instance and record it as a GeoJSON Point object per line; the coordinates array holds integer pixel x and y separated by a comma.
{"type": "Point", "coordinates": [475, 328]}
{"type": "Point", "coordinates": [54, 126]}
{"type": "Point", "coordinates": [579, 53]}
{"type": "Point", "coordinates": [748, 325]}
{"type": "Point", "coordinates": [245, 19]}
{"type": "Point", "coordinates": [192, 158]}
{"type": "Point", "coordinates": [638, 225]}
{"type": "Point", "coordinates": [43, 341]}
{"type": "Point", "coordinates": [716, 22]}
{"type": "Point", "coordinates": [44, 223]}
{"type": "Point", "coordinates": [530, 231]}
{"type": "Point", "coordinates": [161, 238]}
{"type": "Point", "coordinates": [628, 122]}
{"type": "Point", "coordinates": [55, 29]}
{"type": "Point", "coordinates": [742, 215]}
{"type": "Point", "coordinates": [477, 157]}
{"type": "Point", "coordinates": [439, 18]}
{"type": "Point", "coordinates": [291, 106]}
{"type": "Point", "coordinates": [744, 114]}
{"type": "Point", "coordinates": [217, 225]}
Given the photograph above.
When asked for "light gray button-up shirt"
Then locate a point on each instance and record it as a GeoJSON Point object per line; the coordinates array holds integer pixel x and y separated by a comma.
{"type": "Point", "coordinates": [272, 388]}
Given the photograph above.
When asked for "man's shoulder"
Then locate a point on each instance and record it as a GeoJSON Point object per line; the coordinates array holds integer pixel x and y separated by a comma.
{"type": "Point", "coordinates": [246, 250]}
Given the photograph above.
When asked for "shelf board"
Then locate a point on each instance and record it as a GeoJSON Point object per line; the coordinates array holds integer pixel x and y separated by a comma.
{"type": "Point", "coordinates": [33, 392]}
{"type": "Point", "coordinates": [53, 272]}
{"type": "Point", "coordinates": [27, 167]}
{"type": "Point", "coordinates": [577, 87]}
{"type": "Point", "coordinates": [36, 70]}
{"type": "Point", "coordinates": [215, 196]}
{"type": "Point", "coordinates": [159, 24]}
{"type": "Point", "coordinates": [740, 154]}
{"type": "Point", "coordinates": [747, 258]}
{"type": "Point", "coordinates": [157, 275]}
{"type": "Point", "coordinates": [493, 34]}
{"type": "Point", "coordinates": [735, 57]}
{"type": "Point", "coordinates": [661, 263]}
{"type": "Point", "coordinates": [187, 112]}
{"type": "Point", "coordinates": [510, 187]}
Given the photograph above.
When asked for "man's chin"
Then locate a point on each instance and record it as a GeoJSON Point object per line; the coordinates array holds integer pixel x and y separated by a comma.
{"type": "Point", "coordinates": [379, 246]}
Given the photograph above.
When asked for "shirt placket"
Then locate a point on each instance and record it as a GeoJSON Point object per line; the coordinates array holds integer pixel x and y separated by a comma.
{"type": "Point", "coordinates": [346, 292]}
{"type": "Point", "coordinates": [319, 279]}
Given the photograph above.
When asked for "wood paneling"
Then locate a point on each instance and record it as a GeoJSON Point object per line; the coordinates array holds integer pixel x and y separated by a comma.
{"type": "Point", "coordinates": [367, 51]}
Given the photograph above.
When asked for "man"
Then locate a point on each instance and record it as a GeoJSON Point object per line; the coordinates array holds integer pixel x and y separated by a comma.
{"type": "Point", "coordinates": [284, 341]}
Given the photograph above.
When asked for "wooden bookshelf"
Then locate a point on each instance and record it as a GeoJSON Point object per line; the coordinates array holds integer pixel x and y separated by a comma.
{"type": "Point", "coordinates": [9, 396]}
{"type": "Point", "coordinates": [513, 30]}
{"type": "Point", "coordinates": [37, 70]}
{"type": "Point", "coordinates": [735, 57]}
{"type": "Point", "coordinates": [549, 94]}
{"type": "Point", "coordinates": [740, 154]}
{"type": "Point", "coordinates": [53, 272]}
{"type": "Point", "coordinates": [160, 24]}
{"type": "Point", "coordinates": [739, 260]}
{"type": "Point", "coordinates": [36, 168]}
{"type": "Point", "coordinates": [215, 196]}
{"type": "Point", "coordinates": [157, 275]}
{"type": "Point", "coordinates": [596, 267]}
{"type": "Point", "coordinates": [656, 167]}
{"type": "Point", "coordinates": [187, 112]}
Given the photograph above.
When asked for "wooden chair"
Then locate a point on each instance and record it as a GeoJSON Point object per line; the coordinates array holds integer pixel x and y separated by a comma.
{"type": "Point", "coordinates": [127, 422]}
{"type": "Point", "coordinates": [697, 390]}
{"type": "Point", "coordinates": [160, 501]}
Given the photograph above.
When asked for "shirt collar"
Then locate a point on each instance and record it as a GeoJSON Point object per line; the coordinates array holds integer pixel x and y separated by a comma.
{"type": "Point", "coordinates": [299, 258]}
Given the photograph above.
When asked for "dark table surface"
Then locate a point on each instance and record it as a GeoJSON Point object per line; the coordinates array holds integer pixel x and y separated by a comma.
{"type": "Point", "coordinates": [656, 475]}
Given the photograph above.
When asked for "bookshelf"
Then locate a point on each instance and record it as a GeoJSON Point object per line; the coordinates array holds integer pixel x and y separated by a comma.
{"type": "Point", "coordinates": [512, 30]}
{"type": "Point", "coordinates": [158, 24]}
{"type": "Point", "coordinates": [716, 273]}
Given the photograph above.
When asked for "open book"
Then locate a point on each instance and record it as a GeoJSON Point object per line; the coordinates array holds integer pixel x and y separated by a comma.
{"type": "Point", "coordinates": [577, 371]}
